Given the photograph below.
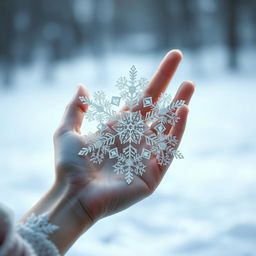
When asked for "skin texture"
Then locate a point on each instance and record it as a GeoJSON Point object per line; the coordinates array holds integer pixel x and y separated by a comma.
{"type": "Point", "coordinates": [85, 192]}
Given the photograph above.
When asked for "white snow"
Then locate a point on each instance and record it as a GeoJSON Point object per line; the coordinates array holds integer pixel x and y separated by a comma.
{"type": "Point", "coordinates": [205, 205]}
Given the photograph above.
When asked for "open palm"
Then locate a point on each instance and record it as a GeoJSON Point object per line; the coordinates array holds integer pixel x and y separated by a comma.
{"type": "Point", "coordinates": [98, 189]}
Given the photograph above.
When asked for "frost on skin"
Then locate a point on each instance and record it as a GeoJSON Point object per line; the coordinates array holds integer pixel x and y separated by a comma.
{"type": "Point", "coordinates": [40, 224]}
{"type": "Point", "coordinates": [35, 232]}
{"type": "Point", "coordinates": [131, 129]}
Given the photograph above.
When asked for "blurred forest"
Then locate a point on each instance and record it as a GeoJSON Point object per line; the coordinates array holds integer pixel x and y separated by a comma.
{"type": "Point", "coordinates": [58, 30]}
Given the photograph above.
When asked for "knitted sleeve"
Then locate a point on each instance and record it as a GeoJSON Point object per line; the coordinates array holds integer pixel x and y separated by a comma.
{"type": "Point", "coordinates": [26, 239]}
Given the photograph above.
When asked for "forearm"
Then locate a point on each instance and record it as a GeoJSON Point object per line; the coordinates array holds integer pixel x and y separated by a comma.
{"type": "Point", "coordinates": [47, 202]}
{"type": "Point", "coordinates": [64, 211]}
{"type": "Point", "coordinates": [10, 241]}
{"type": "Point", "coordinates": [72, 221]}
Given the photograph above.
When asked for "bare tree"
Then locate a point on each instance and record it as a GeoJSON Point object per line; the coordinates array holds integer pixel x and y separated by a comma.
{"type": "Point", "coordinates": [232, 32]}
{"type": "Point", "coordinates": [6, 40]}
{"type": "Point", "coordinates": [164, 20]}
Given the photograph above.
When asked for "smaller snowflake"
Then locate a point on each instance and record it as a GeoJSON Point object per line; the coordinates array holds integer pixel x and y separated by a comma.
{"type": "Point", "coordinates": [40, 224]}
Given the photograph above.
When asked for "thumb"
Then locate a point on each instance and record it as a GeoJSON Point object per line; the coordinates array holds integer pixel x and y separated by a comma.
{"type": "Point", "coordinates": [74, 113]}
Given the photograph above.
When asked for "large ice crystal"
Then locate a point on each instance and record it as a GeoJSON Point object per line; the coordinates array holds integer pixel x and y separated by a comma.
{"type": "Point", "coordinates": [135, 135]}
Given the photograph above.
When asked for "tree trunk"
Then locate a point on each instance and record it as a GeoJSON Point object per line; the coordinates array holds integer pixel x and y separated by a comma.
{"type": "Point", "coordinates": [232, 33]}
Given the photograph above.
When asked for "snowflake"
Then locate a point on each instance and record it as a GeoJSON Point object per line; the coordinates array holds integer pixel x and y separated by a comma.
{"type": "Point", "coordinates": [39, 224]}
{"type": "Point", "coordinates": [127, 137]}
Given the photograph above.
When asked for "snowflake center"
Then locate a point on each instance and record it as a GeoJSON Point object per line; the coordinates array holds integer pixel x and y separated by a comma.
{"type": "Point", "coordinates": [129, 162]}
{"type": "Point", "coordinates": [100, 109]}
{"type": "Point", "coordinates": [130, 127]}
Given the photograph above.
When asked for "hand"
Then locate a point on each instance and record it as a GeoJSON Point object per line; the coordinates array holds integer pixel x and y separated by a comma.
{"type": "Point", "coordinates": [85, 192]}
{"type": "Point", "coordinates": [98, 190]}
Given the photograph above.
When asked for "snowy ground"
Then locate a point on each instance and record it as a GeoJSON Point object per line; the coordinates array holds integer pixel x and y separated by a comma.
{"type": "Point", "coordinates": [206, 205]}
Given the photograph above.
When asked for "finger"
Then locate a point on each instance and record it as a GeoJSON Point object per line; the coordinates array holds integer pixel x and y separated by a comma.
{"type": "Point", "coordinates": [185, 93]}
{"type": "Point", "coordinates": [177, 131]}
{"type": "Point", "coordinates": [74, 113]}
{"type": "Point", "coordinates": [179, 128]}
{"type": "Point", "coordinates": [161, 78]}
{"type": "Point", "coordinates": [163, 75]}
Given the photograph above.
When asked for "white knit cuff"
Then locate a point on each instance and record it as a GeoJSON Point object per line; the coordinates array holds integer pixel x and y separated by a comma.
{"type": "Point", "coordinates": [7, 226]}
{"type": "Point", "coordinates": [12, 243]}
{"type": "Point", "coordinates": [35, 231]}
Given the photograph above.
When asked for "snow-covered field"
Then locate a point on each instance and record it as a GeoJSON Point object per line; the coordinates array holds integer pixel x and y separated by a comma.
{"type": "Point", "coordinates": [206, 205]}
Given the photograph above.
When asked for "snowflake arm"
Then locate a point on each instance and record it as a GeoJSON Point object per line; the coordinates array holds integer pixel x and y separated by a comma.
{"type": "Point", "coordinates": [100, 109]}
{"type": "Point", "coordinates": [131, 90]}
{"type": "Point", "coordinates": [99, 148]}
{"type": "Point", "coordinates": [129, 163]}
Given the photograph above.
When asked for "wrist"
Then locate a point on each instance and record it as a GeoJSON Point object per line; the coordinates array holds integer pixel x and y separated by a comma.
{"type": "Point", "coordinates": [69, 215]}
{"type": "Point", "coordinates": [48, 202]}
{"type": "Point", "coordinates": [65, 211]}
